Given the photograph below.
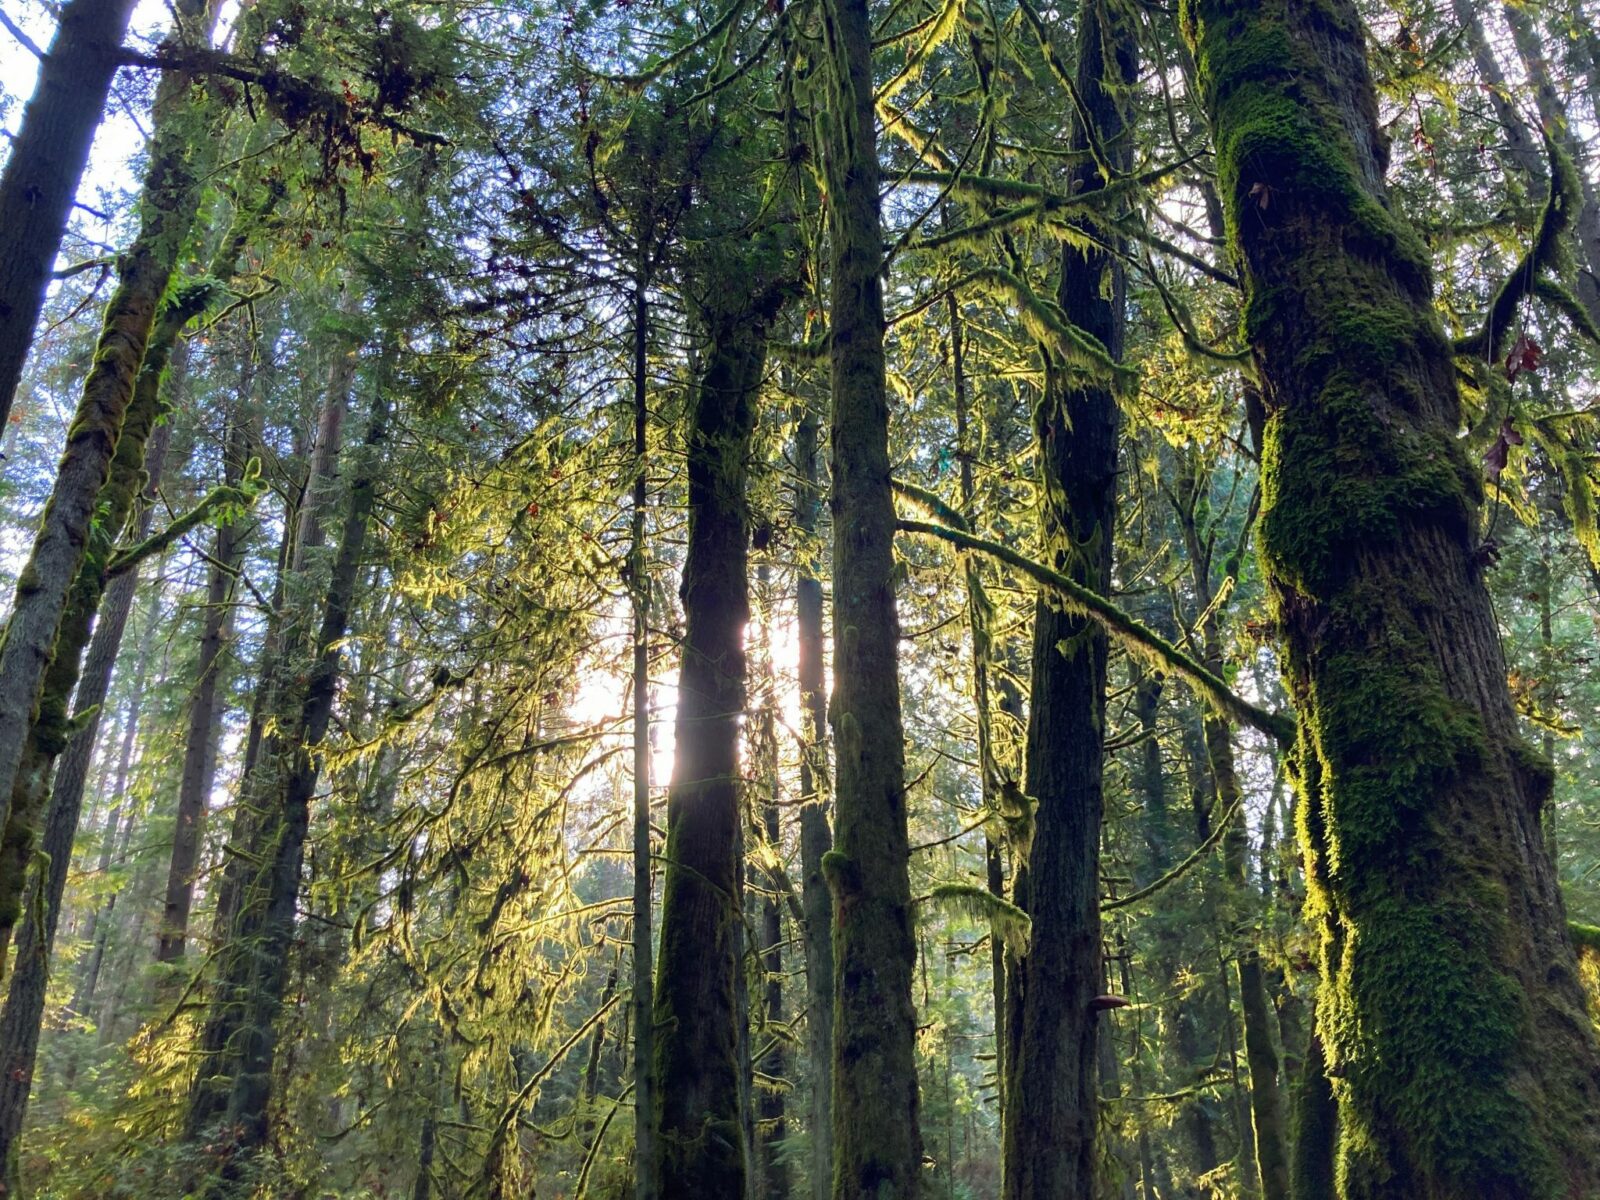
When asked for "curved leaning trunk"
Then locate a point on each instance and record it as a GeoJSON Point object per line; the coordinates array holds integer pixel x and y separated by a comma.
{"type": "Point", "coordinates": [698, 1019]}
{"type": "Point", "coordinates": [1450, 1012]}
{"type": "Point", "coordinates": [46, 164]}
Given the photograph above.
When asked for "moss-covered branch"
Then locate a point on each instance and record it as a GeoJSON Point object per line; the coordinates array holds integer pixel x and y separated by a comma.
{"type": "Point", "coordinates": [243, 496]}
{"type": "Point", "coordinates": [1134, 635]}
{"type": "Point", "coordinates": [1183, 868]}
{"type": "Point", "coordinates": [1545, 254]}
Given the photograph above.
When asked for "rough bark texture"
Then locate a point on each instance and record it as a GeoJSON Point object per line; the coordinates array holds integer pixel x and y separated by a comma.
{"type": "Point", "coordinates": [1315, 1130]}
{"type": "Point", "coordinates": [54, 726]}
{"type": "Point", "coordinates": [816, 834]}
{"type": "Point", "coordinates": [47, 159]}
{"type": "Point", "coordinates": [877, 1144]}
{"type": "Point", "coordinates": [1052, 1108]}
{"type": "Point", "coordinates": [697, 1018]}
{"type": "Point", "coordinates": [1450, 1010]}
{"type": "Point", "coordinates": [167, 210]}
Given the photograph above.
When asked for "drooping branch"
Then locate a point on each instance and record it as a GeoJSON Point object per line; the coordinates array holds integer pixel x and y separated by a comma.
{"type": "Point", "coordinates": [1562, 204]}
{"type": "Point", "coordinates": [1134, 635]}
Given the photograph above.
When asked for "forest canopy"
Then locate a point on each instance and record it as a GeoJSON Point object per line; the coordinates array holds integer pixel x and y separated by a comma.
{"type": "Point", "coordinates": [800, 599]}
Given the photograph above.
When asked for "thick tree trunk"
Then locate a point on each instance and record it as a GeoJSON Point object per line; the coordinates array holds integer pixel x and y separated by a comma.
{"type": "Point", "coordinates": [697, 1016]}
{"type": "Point", "coordinates": [816, 835]}
{"type": "Point", "coordinates": [1450, 1011]}
{"type": "Point", "coordinates": [876, 1140]}
{"type": "Point", "coordinates": [170, 200]}
{"type": "Point", "coordinates": [1052, 1101]}
{"type": "Point", "coordinates": [47, 159]}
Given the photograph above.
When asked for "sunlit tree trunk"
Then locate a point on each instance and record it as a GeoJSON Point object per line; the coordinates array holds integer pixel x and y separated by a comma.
{"type": "Point", "coordinates": [1052, 1098]}
{"type": "Point", "coordinates": [876, 1140]}
{"type": "Point", "coordinates": [1450, 1011]}
{"type": "Point", "coordinates": [816, 834]}
{"type": "Point", "coordinates": [47, 159]}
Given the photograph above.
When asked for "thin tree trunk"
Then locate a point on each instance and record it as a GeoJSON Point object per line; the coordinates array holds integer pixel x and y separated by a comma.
{"type": "Point", "coordinates": [644, 1105]}
{"type": "Point", "coordinates": [239, 1040]}
{"type": "Point", "coordinates": [816, 835]}
{"type": "Point", "coordinates": [205, 711]}
{"type": "Point", "coordinates": [772, 1110]}
{"type": "Point", "coordinates": [1052, 1101]}
{"type": "Point", "coordinates": [1315, 1130]}
{"type": "Point", "coordinates": [876, 1140]}
{"type": "Point", "coordinates": [1454, 1021]}
{"type": "Point", "coordinates": [697, 1016]}
{"type": "Point", "coordinates": [978, 613]}
{"type": "Point", "coordinates": [47, 159]}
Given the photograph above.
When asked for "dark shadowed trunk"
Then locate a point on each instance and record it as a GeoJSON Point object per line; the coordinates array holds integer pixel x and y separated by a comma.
{"type": "Point", "coordinates": [168, 205]}
{"type": "Point", "coordinates": [1052, 1100]}
{"type": "Point", "coordinates": [205, 710]}
{"type": "Point", "coordinates": [1450, 1011]}
{"type": "Point", "coordinates": [47, 159]}
{"type": "Point", "coordinates": [876, 1141]}
{"type": "Point", "coordinates": [697, 1016]}
{"type": "Point", "coordinates": [239, 1040]}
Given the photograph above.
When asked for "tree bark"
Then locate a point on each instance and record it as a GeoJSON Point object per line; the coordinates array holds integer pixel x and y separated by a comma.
{"type": "Point", "coordinates": [205, 712]}
{"type": "Point", "coordinates": [1450, 1010]}
{"type": "Point", "coordinates": [876, 1140]}
{"type": "Point", "coordinates": [239, 1039]}
{"type": "Point", "coordinates": [697, 1017]}
{"type": "Point", "coordinates": [168, 206]}
{"type": "Point", "coordinates": [1052, 1101]}
{"type": "Point", "coordinates": [47, 159]}
{"type": "Point", "coordinates": [644, 1105]}
{"type": "Point", "coordinates": [816, 834]}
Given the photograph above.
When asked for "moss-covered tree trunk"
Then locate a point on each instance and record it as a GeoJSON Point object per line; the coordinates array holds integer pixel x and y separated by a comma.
{"type": "Point", "coordinates": [697, 1016]}
{"type": "Point", "coordinates": [876, 1140]}
{"type": "Point", "coordinates": [54, 727]}
{"type": "Point", "coordinates": [816, 832]}
{"type": "Point", "coordinates": [1450, 1011]}
{"type": "Point", "coordinates": [47, 159]}
{"type": "Point", "coordinates": [1051, 1110]}
{"type": "Point", "coordinates": [167, 209]}
{"type": "Point", "coordinates": [22, 1017]}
